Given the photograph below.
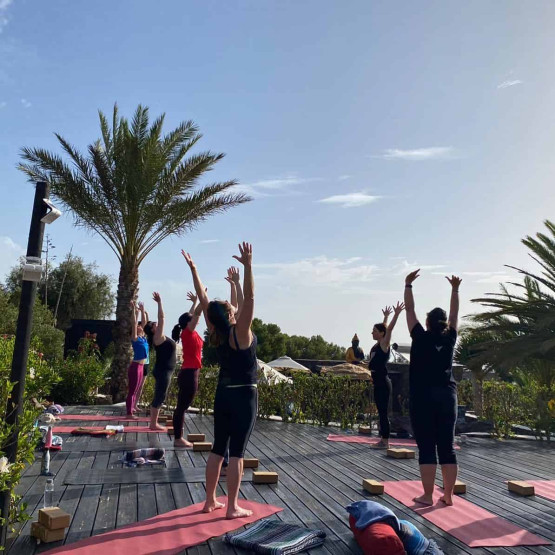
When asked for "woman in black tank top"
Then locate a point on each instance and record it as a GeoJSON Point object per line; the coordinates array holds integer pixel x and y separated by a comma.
{"type": "Point", "coordinates": [166, 360]}
{"type": "Point", "coordinates": [379, 355]}
{"type": "Point", "coordinates": [236, 401]}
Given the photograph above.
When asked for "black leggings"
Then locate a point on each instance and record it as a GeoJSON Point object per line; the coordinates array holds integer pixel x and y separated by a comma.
{"type": "Point", "coordinates": [382, 394]}
{"type": "Point", "coordinates": [235, 410]}
{"type": "Point", "coordinates": [162, 379]}
{"type": "Point", "coordinates": [433, 415]}
{"type": "Point", "coordinates": [187, 380]}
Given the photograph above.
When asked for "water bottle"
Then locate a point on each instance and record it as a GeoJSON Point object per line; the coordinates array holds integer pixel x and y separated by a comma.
{"type": "Point", "coordinates": [49, 493]}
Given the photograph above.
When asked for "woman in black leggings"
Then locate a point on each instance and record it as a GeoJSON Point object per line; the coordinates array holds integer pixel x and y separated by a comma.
{"type": "Point", "coordinates": [379, 355]}
{"type": "Point", "coordinates": [187, 379]}
{"type": "Point", "coordinates": [164, 367]}
{"type": "Point", "coordinates": [433, 391]}
{"type": "Point", "coordinates": [236, 401]}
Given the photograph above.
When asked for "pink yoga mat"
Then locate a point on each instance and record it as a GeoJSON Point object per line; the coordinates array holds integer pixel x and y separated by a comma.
{"type": "Point", "coordinates": [168, 533]}
{"type": "Point", "coordinates": [102, 418]}
{"type": "Point", "coordinates": [467, 522]}
{"type": "Point", "coordinates": [544, 488]}
{"type": "Point", "coordinates": [126, 429]}
{"type": "Point", "coordinates": [374, 440]}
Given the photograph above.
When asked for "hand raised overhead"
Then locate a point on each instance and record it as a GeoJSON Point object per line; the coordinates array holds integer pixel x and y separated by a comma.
{"type": "Point", "coordinates": [245, 251]}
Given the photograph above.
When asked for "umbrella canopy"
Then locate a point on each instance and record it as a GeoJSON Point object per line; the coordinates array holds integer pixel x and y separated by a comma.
{"type": "Point", "coordinates": [271, 375]}
{"type": "Point", "coordinates": [354, 371]}
{"type": "Point", "coordinates": [287, 362]}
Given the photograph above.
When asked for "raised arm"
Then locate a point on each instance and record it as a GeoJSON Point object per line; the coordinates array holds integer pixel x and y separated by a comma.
{"type": "Point", "coordinates": [237, 281]}
{"type": "Point", "coordinates": [159, 333]}
{"type": "Point", "coordinates": [144, 315]}
{"type": "Point", "coordinates": [199, 287]}
{"type": "Point", "coordinates": [244, 320]}
{"type": "Point", "coordinates": [384, 343]}
{"type": "Point", "coordinates": [386, 314]}
{"type": "Point", "coordinates": [196, 311]}
{"type": "Point", "coordinates": [233, 291]}
{"type": "Point", "coordinates": [412, 320]}
{"type": "Point", "coordinates": [133, 321]}
{"type": "Point", "coordinates": [454, 306]}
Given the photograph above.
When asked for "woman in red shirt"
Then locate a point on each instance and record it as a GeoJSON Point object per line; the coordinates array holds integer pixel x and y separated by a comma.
{"type": "Point", "coordinates": [187, 379]}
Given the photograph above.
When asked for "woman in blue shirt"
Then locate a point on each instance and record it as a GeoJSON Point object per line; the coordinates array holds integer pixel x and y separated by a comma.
{"type": "Point", "coordinates": [140, 356]}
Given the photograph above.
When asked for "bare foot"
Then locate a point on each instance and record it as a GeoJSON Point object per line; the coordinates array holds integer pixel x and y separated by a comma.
{"type": "Point", "coordinates": [158, 427]}
{"type": "Point", "coordinates": [182, 443]}
{"type": "Point", "coordinates": [131, 417]}
{"type": "Point", "coordinates": [447, 499]}
{"type": "Point", "coordinates": [238, 513]}
{"type": "Point", "coordinates": [209, 507]}
{"type": "Point", "coordinates": [424, 500]}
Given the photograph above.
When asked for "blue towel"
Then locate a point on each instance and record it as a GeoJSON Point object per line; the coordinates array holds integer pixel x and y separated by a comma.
{"type": "Point", "coordinates": [368, 512]}
{"type": "Point", "coordinates": [414, 542]}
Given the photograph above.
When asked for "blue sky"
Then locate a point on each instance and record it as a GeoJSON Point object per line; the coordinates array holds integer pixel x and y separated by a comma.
{"type": "Point", "coordinates": [374, 136]}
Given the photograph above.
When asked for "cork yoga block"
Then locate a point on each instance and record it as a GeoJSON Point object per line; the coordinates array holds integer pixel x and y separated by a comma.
{"type": "Point", "coordinates": [460, 487]}
{"type": "Point", "coordinates": [401, 453]}
{"type": "Point", "coordinates": [196, 437]}
{"type": "Point", "coordinates": [373, 486]}
{"type": "Point", "coordinates": [250, 463]}
{"type": "Point", "coordinates": [265, 477]}
{"type": "Point", "coordinates": [42, 533]}
{"type": "Point", "coordinates": [364, 430]}
{"type": "Point", "coordinates": [202, 446]}
{"type": "Point", "coordinates": [54, 518]}
{"type": "Point", "coordinates": [520, 487]}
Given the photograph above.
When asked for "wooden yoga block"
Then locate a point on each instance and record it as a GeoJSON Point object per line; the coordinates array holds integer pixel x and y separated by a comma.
{"type": "Point", "coordinates": [265, 477]}
{"type": "Point", "coordinates": [196, 437]}
{"type": "Point", "coordinates": [42, 533]}
{"type": "Point", "coordinates": [460, 487]}
{"type": "Point", "coordinates": [54, 518]}
{"type": "Point", "coordinates": [400, 453]}
{"type": "Point", "coordinates": [250, 463]}
{"type": "Point", "coordinates": [170, 431]}
{"type": "Point", "coordinates": [202, 446]}
{"type": "Point", "coordinates": [373, 486]}
{"type": "Point", "coordinates": [520, 487]}
{"type": "Point", "coordinates": [364, 430]}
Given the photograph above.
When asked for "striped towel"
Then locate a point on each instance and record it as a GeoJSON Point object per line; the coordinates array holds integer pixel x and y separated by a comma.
{"type": "Point", "coordinates": [271, 537]}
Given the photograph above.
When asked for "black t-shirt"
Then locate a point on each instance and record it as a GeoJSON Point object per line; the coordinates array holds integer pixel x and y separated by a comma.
{"type": "Point", "coordinates": [431, 358]}
{"type": "Point", "coordinates": [378, 361]}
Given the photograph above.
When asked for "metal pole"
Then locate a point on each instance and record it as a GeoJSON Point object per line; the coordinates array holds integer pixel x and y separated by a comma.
{"type": "Point", "coordinates": [22, 340]}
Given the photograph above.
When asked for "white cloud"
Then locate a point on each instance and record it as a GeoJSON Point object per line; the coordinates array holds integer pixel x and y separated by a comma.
{"type": "Point", "coordinates": [207, 241]}
{"type": "Point", "coordinates": [4, 5]}
{"type": "Point", "coordinates": [350, 200]}
{"type": "Point", "coordinates": [269, 187]}
{"type": "Point", "coordinates": [344, 177]}
{"type": "Point", "coordinates": [417, 154]}
{"type": "Point", "coordinates": [26, 103]}
{"type": "Point", "coordinates": [509, 83]}
{"type": "Point", "coordinates": [11, 252]}
{"type": "Point", "coordinates": [404, 267]}
{"type": "Point", "coordinates": [321, 271]}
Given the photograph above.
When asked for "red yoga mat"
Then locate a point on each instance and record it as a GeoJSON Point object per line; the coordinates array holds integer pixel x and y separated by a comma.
{"type": "Point", "coordinates": [102, 418]}
{"type": "Point", "coordinates": [126, 429]}
{"type": "Point", "coordinates": [168, 533]}
{"type": "Point", "coordinates": [467, 522]}
{"type": "Point", "coordinates": [374, 440]}
{"type": "Point", "coordinates": [544, 488]}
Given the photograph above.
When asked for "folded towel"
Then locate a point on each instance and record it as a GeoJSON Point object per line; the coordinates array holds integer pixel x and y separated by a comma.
{"type": "Point", "coordinates": [368, 512]}
{"type": "Point", "coordinates": [272, 537]}
{"type": "Point", "coordinates": [139, 457]}
{"type": "Point", "coordinates": [414, 541]}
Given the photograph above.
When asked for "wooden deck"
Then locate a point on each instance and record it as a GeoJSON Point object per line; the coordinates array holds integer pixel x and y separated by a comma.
{"type": "Point", "coordinates": [317, 479]}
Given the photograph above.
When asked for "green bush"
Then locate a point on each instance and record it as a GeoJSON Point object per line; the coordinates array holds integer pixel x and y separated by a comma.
{"type": "Point", "coordinates": [465, 394]}
{"type": "Point", "coordinates": [81, 374]}
{"type": "Point", "coordinates": [503, 407]}
{"type": "Point", "coordinates": [539, 417]}
{"type": "Point", "coordinates": [37, 384]}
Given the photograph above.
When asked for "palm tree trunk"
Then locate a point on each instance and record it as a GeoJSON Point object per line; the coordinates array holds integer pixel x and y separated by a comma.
{"type": "Point", "coordinates": [478, 393]}
{"type": "Point", "coordinates": [128, 285]}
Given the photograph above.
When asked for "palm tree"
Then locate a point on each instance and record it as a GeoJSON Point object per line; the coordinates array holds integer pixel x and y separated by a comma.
{"type": "Point", "coordinates": [522, 323]}
{"type": "Point", "coordinates": [135, 187]}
